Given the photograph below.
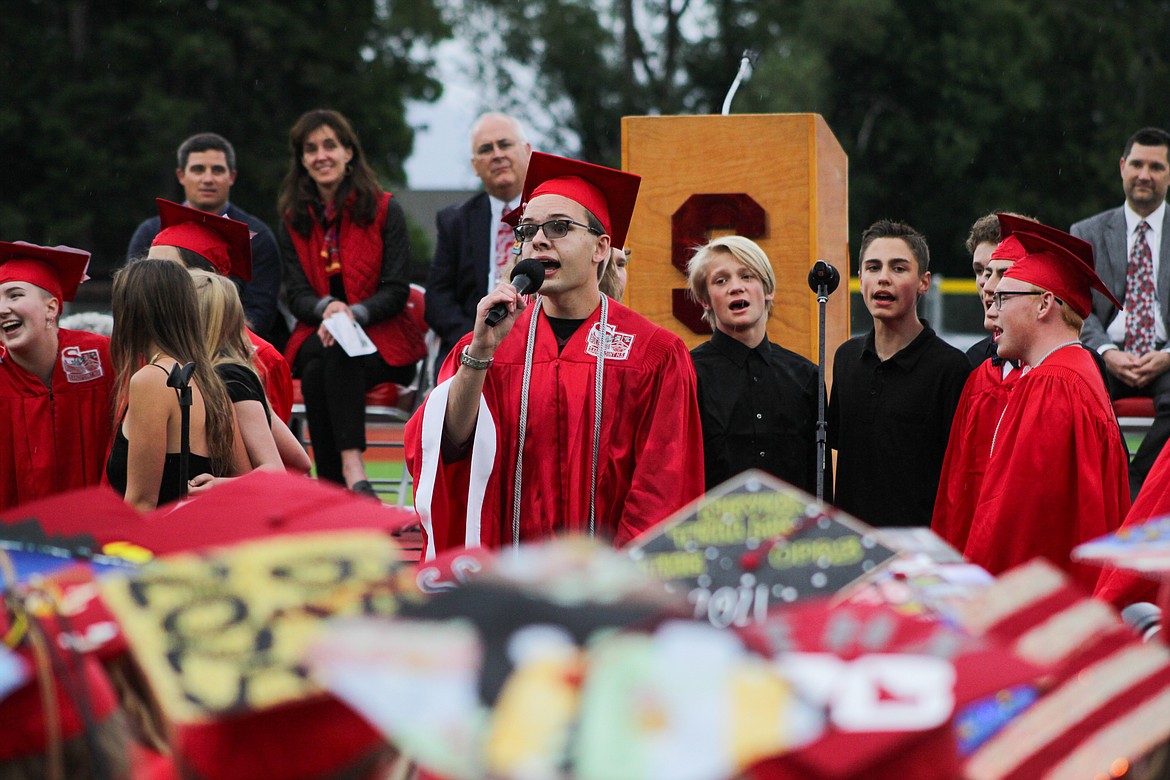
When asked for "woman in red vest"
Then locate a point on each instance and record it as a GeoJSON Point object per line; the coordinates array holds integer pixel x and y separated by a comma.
{"type": "Point", "coordinates": [346, 252]}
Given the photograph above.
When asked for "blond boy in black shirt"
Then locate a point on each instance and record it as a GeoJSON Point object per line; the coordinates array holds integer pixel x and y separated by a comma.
{"type": "Point", "coordinates": [757, 400]}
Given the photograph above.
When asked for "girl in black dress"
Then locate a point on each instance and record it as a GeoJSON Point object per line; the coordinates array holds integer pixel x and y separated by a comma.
{"type": "Point", "coordinates": [156, 327]}
{"type": "Point", "coordinates": [268, 441]}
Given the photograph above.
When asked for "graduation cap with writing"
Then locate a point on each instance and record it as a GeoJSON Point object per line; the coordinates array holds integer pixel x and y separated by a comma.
{"type": "Point", "coordinates": [223, 242]}
{"type": "Point", "coordinates": [220, 635]}
{"type": "Point", "coordinates": [60, 269]}
{"type": "Point", "coordinates": [755, 542]}
{"type": "Point", "coordinates": [607, 193]}
{"type": "Point", "coordinates": [561, 661]}
{"type": "Point", "coordinates": [891, 685]}
{"type": "Point", "coordinates": [1060, 263]}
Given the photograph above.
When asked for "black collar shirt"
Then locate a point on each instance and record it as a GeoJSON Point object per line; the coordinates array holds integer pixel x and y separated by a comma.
{"type": "Point", "coordinates": [889, 422]}
{"type": "Point", "coordinates": [759, 410]}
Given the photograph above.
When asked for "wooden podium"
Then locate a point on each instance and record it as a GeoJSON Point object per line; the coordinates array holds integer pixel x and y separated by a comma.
{"type": "Point", "coordinates": [779, 179]}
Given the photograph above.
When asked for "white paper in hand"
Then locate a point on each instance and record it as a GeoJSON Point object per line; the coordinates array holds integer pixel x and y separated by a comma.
{"type": "Point", "coordinates": [349, 335]}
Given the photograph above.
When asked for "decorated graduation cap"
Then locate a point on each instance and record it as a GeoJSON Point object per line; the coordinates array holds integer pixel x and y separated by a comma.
{"type": "Point", "coordinates": [1060, 263]}
{"type": "Point", "coordinates": [609, 194]}
{"type": "Point", "coordinates": [225, 243]}
{"type": "Point", "coordinates": [219, 636]}
{"type": "Point", "coordinates": [59, 269]}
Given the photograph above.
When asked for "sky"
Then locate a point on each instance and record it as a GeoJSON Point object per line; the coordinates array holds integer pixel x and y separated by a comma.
{"type": "Point", "coordinates": [442, 152]}
{"type": "Point", "coordinates": [441, 159]}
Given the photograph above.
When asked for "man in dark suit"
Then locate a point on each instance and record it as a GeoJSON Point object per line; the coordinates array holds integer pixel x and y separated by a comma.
{"type": "Point", "coordinates": [1131, 247]}
{"type": "Point", "coordinates": [473, 247]}
{"type": "Point", "coordinates": [207, 171]}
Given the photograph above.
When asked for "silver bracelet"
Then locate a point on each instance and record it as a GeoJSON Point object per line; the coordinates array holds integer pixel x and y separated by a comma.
{"type": "Point", "coordinates": [479, 364]}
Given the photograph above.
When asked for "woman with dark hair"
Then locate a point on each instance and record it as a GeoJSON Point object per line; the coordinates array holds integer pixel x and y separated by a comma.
{"type": "Point", "coordinates": [345, 249]}
{"type": "Point", "coordinates": [156, 327]}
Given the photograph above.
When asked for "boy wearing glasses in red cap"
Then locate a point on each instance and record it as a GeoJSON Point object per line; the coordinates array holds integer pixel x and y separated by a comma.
{"type": "Point", "coordinates": [54, 383]}
{"type": "Point", "coordinates": [1059, 463]}
{"type": "Point", "coordinates": [573, 414]}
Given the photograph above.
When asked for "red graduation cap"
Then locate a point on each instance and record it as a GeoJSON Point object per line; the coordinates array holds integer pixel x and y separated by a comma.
{"type": "Point", "coordinates": [1057, 261]}
{"type": "Point", "coordinates": [1012, 223]}
{"type": "Point", "coordinates": [262, 504]}
{"type": "Point", "coordinates": [1009, 247]}
{"type": "Point", "coordinates": [609, 194]}
{"type": "Point", "coordinates": [23, 712]}
{"type": "Point", "coordinates": [226, 243]}
{"type": "Point", "coordinates": [58, 269]}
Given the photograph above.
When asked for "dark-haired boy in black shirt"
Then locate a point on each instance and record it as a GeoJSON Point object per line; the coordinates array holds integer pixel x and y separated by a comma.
{"type": "Point", "coordinates": [895, 389]}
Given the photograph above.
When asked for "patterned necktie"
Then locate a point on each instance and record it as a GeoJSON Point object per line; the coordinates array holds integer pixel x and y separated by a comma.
{"type": "Point", "coordinates": [1140, 302]}
{"type": "Point", "coordinates": [505, 238]}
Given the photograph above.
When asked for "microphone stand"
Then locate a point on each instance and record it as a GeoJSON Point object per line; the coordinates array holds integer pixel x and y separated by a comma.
{"type": "Point", "coordinates": [745, 71]}
{"type": "Point", "coordinates": [822, 279]}
{"type": "Point", "coordinates": [180, 379]}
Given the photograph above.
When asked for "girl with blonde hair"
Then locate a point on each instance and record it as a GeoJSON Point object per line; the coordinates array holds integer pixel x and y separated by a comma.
{"type": "Point", "coordinates": [268, 441]}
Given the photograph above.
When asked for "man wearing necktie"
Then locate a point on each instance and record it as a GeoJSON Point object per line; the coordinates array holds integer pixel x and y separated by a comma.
{"type": "Point", "coordinates": [1131, 245]}
{"type": "Point", "coordinates": [473, 245]}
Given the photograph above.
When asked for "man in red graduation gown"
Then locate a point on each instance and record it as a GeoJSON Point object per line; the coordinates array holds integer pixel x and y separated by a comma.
{"type": "Point", "coordinates": [199, 239]}
{"type": "Point", "coordinates": [983, 400]}
{"type": "Point", "coordinates": [1059, 466]}
{"type": "Point", "coordinates": [505, 448]}
{"type": "Point", "coordinates": [55, 384]}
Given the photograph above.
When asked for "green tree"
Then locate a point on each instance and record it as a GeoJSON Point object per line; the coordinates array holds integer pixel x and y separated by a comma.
{"type": "Point", "coordinates": [573, 68]}
{"type": "Point", "coordinates": [947, 109]}
{"type": "Point", "coordinates": [954, 108]}
{"type": "Point", "coordinates": [98, 95]}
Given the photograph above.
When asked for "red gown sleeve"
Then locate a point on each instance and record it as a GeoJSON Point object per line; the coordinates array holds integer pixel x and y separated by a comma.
{"type": "Point", "coordinates": [669, 461]}
{"type": "Point", "coordinates": [441, 488]}
{"type": "Point", "coordinates": [1118, 586]}
{"type": "Point", "coordinates": [276, 375]}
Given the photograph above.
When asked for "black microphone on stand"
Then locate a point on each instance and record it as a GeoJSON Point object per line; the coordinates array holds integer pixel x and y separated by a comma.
{"type": "Point", "coordinates": [823, 275]}
{"type": "Point", "coordinates": [527, 277]}
{"type": "Point", "coordinates": [180, 379]}
{"type": "Point", "coordinates": [822, 280]}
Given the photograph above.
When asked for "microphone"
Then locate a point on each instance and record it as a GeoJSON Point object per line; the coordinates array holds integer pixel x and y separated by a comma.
{"type": "Point", "coordinates": [1144, 618]}
{"type": "Point", "coordinates": [527, 277]}
{"type": "Point", "coordinates": [823, 275]}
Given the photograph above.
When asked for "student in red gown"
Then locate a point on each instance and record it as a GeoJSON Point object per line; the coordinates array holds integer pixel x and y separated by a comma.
{"type": "Point", "coordinates": [55, 384]}
{"type": "Point", "coordinates": [983, 400]}
{"type": "Point", "coordinates": [209, 242]}
{"type": "Point", "coordinates": [483, 478]}
{"type": "Point", "coordinates": [1059, 463]}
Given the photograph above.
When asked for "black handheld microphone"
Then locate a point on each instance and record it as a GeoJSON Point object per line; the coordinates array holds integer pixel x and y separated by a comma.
{"type": "Point", "coordinates": [1144, 618]}
{"type": "Point", "coordinates": [823, 275]}
{"type": "Point", "coordinates": [527, 277]}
